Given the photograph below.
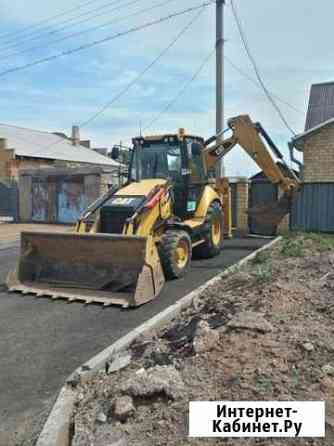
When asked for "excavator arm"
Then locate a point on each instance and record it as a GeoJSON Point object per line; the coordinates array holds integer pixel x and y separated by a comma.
{"type": "Point", "coordinates": [254, 140]}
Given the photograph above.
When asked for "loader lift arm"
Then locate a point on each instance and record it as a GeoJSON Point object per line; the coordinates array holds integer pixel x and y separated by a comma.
{"type": "Point", "coordinates": [252, 138]}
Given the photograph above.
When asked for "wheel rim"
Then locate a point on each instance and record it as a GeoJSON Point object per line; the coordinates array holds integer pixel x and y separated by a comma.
{"type": "Point", "coordinates": [216, 231]}
{"type": "Point", "coordinates": [182, 254]}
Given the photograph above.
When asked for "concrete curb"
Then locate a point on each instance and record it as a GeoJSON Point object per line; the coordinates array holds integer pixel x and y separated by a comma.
{"type": "Point", "coordinates": [57, 430]}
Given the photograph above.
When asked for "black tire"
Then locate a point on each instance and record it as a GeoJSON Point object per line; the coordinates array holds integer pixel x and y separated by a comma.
{"type": "Point", "coordinates": [168, 246]}
{"type": "Point", "coordinates": [210, 247]}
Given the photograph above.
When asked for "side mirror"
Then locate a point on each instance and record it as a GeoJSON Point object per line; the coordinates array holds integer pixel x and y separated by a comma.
{"type": "Point", "coordinates": [115, 153]}
{"type": "Point", "coordinates": [196, 149]}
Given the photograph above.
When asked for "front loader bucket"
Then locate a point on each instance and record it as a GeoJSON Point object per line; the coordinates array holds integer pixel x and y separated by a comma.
{"type": "Point", "coordinates": [93, 268]}
{"type": "Point", "coordinates": [272, 213]}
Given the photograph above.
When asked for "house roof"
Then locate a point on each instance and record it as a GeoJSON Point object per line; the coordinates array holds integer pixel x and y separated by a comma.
{"type": "Point", "coordinates": [262, 177]}
{"type": "Point", "coordinates": [321, 104]}
{"type": "Point", "coordinates": [296, 140]}
{"type": "Point", "coordinates": [37, 144]}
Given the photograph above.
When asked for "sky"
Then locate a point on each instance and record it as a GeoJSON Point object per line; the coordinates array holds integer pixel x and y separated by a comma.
{"type": "Point", "coordinates": [289, 41]}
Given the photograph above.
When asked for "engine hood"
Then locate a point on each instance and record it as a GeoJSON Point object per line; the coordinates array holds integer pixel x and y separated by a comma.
{"type": "Point", "coordinates": [141, 188]}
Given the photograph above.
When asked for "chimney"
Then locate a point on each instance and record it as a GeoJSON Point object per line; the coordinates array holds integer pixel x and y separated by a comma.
{"type": "Point", "coordinates": [75, 135]}
{"type": "Point", "coordinates": [3, 144]}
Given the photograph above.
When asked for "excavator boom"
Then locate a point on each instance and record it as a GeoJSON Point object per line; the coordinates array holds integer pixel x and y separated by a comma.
{"type": "Point", "coordinates": [253, 139]}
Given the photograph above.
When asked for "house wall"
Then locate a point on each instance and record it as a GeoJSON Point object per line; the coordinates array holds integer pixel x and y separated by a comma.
{"type": "Point", "coordinates": [313, 208]}
{"type": "Point", "coordinates": [319, 156]}
{"type": "Point", "coordinates": [9, 166]}
{"type": "Point", "coordinates": [15, 165]}
{"type": "Point", "coordinates": [5, 157]}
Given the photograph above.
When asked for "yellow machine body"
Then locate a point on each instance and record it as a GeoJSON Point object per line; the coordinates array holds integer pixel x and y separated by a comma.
{"type": "Point", "coordinates": [93, 267]}
{"type": "Point", "coordinates": [131, 239]}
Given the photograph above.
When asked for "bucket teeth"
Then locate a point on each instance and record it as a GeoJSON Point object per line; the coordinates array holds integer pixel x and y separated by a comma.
{"type": "Point", "coordinates": [105, 269]}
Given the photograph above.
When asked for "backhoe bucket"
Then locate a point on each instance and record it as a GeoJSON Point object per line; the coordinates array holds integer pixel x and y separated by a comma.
{"type": "Point", "coordinates": [272, 213]}
{"type": "Point", "coordinates": [93, 268]}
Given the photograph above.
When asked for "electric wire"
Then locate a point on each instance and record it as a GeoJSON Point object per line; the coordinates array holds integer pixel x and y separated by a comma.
{"type": "Point", "coordinates": [91, 29]}
{"type": "Point", "coordinates": [105, 39]}
{"type": "Point", "coordinates": [181, 92]}
{"type": "Point", "coordinates": [48, 19]}
{"type": "Point", "coordinates": [28, 36]}
{"type": "Point", "coordinates": [143, 72]}
{"type": "Point", "coordinates": [256, 69]}
{"type": "Point", "coordinates": [254, 82]}
{"type": "Point", "coordinates": [133, 82]}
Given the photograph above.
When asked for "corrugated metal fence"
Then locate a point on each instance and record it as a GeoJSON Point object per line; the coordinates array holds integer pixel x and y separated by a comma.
{"type": "Point", "coordinates": [8, 199]}
{"type": "Point", "coordinates": [313, 210]}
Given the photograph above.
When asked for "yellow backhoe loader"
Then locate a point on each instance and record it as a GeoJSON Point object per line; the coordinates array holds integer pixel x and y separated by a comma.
{"type": "Point", "coordinates": [135, 237]}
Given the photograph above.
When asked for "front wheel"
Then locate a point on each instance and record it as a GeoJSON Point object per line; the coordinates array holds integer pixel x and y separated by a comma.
{"type": "Point", "coordinates": [213, 232]}
{"type": "Point", "coordinates": [175, 251]}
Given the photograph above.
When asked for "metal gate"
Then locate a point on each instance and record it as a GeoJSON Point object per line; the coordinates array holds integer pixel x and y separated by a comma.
{"type": "Point", "coordinates": [8, 199]}
{"type": "Point", "coordinates": [40, 200]}
{"type": "Point", "coordinates": [262, 192]}
{"type": "Point", "coordinates": [71, 200]}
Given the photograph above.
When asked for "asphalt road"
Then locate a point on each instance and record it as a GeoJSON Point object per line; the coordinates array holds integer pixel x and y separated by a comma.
{"type": "Point", "coordinates": [43, 341]}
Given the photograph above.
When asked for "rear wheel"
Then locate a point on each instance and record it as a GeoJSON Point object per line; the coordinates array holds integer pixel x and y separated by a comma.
{"type": "Point", "coordinates": [213, 232]}
{"type": "Point", "coordinates": [175, 253]}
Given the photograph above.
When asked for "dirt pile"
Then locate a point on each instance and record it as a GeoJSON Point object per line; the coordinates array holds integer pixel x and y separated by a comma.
{"type": "Point", "coordinates": [265, 333]}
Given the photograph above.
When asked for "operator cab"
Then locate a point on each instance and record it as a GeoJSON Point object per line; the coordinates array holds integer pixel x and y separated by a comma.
{"type": "Point", "coordinates": [174, 157]}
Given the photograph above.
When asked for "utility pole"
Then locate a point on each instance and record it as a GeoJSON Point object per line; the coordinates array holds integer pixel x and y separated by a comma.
{"type": "Point", "coordinates": [220, 4]}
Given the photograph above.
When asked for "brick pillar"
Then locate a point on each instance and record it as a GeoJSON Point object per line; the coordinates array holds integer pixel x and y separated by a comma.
{"type": "Point", "coordinates": [242, 205]}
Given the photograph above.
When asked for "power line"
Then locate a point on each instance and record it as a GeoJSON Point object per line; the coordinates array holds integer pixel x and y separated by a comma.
{"type": "Point", "coordinates": [127, 88]}
{"type": "Point", "coordinates": [251, 79]}
{"type": "Point", "coordinates": [49, 19]}
{"type": "Point", "coordinates": [52, 32]}
{"type": "Point", "coordinates": [181, 91]}
{"type": "Point", "coordinates": [256, 69]}
{"type": "Point", "coordinates": [91, 29]}
{"type": "Point", "coordinates": [105, 40]}
{"type": "Point", "coordinates": [142, 73]}
{"type": "Point", "coordinates": [46, 28]}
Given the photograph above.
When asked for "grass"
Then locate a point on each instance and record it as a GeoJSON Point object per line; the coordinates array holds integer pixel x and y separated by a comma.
{"type": "Point", "coordinates": [264, 383]}
{"type": "Point", "coordinates": [294, 244]}
{"type": "Point", "coordinates": [293, 247]}
{"type": "Point", "coordinates": [324, 242]}
{"type": "Point", "coordinates": [261, 267]}
{"type": "Point", "coordinates": [261, 258]}
{"type": "Point", "coordinates": [264, 273]}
